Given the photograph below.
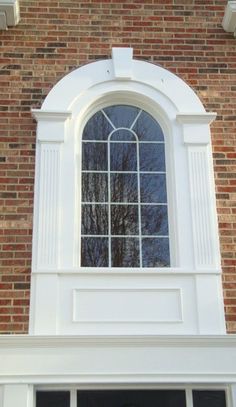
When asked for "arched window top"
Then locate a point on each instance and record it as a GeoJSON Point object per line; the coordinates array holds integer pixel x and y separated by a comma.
{"type": "Point", "coordinates": [123, 123]}
{"type": "Point", "coordinates": [124, 214]}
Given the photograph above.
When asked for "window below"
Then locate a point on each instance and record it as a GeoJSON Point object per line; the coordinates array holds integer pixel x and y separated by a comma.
{"type": "Point", "coordinates": [132, 398]}
{"type": "Point", "coordinates": [124, 214]}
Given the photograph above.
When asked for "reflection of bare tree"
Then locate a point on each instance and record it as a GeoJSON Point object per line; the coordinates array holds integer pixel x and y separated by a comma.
{"type": "Point", "coordinates": [122, 178]}
{"type": "Point", "coordinates": [147, 128]}
{"type": "Point", "coordinates": [94, 252]}
{"type": "Point", "coordinates": [158, 217]}
{"type": "Point", "coordinates": [94, 187]}
{"type": "Point", "coordinates": [94, 220]}
{"type": "Point", "coordinates": [124, 187]}
{"type": "Point", "coordinates": [125, 252]}
{"type": "Point", "coordinates": [124, 220]}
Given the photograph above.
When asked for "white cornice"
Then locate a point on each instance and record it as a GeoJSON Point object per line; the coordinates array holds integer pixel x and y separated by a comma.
{"type": "Point", "coordinates": [9, 13]}
{"type": "Point", "coordinates": [50, 115]}
{"type": "Point", "coordinates": [229, 19]}
{"type": "Point", "coordinates": [196, 118]}
{"type": "Point", "coordinates": [117, 359]}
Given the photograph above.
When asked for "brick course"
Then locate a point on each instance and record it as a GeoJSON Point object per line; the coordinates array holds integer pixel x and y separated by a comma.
{"type": "Point", "coordinates": [53, 38]}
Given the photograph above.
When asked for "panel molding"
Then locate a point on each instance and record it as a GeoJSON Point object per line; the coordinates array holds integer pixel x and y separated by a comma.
{"type": "Point", "coordinates": [122, 291]}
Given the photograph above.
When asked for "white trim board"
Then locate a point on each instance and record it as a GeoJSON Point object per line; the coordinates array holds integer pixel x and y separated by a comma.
{"type": "Point", "coordinates": [116, 360]}
{"type": "Point", "coordinates": [9, 13]}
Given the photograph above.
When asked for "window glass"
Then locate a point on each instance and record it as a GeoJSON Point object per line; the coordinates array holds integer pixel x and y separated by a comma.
{"type": "Point", "coordinates": [52, 399]}
{"type": "Point", "coordinates": [124, 216]}
{"type": "Point", "coordinates": [209, 398]}
{"type": "Point", "coordinates": [131, 398]}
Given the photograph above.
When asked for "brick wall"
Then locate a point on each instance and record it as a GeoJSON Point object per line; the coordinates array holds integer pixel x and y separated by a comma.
{"type": "Point", "coordinates": [54, 37]}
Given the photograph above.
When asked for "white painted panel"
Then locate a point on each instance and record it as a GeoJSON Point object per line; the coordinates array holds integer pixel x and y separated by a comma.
{"type": "Point", "coordinates": [210, 304]}
{"type": "Point", "coordinates": [113, 304]}
{"type": "Point", "coordinates": [44, 312]}
{"type": "Point", "coordinates": [17, 395]}
{"type": "Point", "coordinates": [127, 305]}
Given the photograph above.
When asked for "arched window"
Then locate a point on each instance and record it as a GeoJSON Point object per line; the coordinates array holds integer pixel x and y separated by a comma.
{"type": "Point", "coordinates": [124, 216]}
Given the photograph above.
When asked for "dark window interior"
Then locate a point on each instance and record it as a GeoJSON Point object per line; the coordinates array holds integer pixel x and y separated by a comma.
{"type": "Point", "coordinates": [52, 399]}
{"type": "Point", "coordinates": [209, 398]}
{"type": "Point", "coordinates": [131, 398]}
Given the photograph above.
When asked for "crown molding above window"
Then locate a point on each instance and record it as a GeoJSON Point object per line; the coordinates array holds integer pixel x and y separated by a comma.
{"type": "Point", "coordinates": [112, 360]}
{"type": "Point", "coordinates": [229, 19]}
{"type": "Point", "coordinates": [9, 13]}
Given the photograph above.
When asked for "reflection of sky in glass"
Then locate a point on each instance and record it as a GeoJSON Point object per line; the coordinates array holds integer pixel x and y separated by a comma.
{"type": "Point", "coordinates": [123, 166]}
{"type": "Point", "coordinates": [159, 220]}
{"type": "Point", "coordinates": [153, 188]}
{"type": "Point", "coordinates": [122, 116]}
{"type": "Point", "coordinates": [122, 135]}
{"type": "Point", "coordinates": [147, 129]}
{"type": "Point", "coordinates": [97, 128]}
{"type": "Point", "coordinates": [155, 252]}
{"type": "Point", "coordinates": [152, 157]}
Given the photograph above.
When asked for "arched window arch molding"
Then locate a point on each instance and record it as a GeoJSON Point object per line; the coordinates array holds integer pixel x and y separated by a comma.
{"type": "Point", "coordinates": [191, 200]}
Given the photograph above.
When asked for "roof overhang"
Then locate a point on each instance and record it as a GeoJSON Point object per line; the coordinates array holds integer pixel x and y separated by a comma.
{"type": "Point", "coordinates": [9, 13]}
{"type": "Point", "coordinates": [229, 20]}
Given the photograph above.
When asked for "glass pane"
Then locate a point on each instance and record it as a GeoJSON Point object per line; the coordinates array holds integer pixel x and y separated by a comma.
{"type": "Point", "coordinates": [124, 219]}
{"type": "Point", "coordinates": [94, 156]}
{"type": "Point", "coordinates": [122, 135]}
{"type": "Point", "coordinates": [97, 128]}
{"type": "Point", "coordinates": [94, 252]}
{"type": "Point", "coordinates": [52, 399]}
{"type": "Point", "coordinates": [94, 187]}
{"type": "Point", "coordinates": [124, 252]}
{"type": "Point", "coordinates": [209, 398]}
{"type": "Point", "coordinates": [123, 157]}
{"type": "Point", "coordinates": [155, 252]}
{"type": "Point", "coordinates": [94, 220]}
{"type": "Point", "coordinates": [154, 220]}
{"type": "Point", "coordinates": [152, 157]}
{"type": "Point", "coordinates": [131, 398]}
{"type": "Point", "coordinates": [121, 115]}
{"type": "Point", "coordinates": [124, 188]}
{"type": "Point", "coordinates": [147, 129]}
{"type": "Point", "coordinates": [153, 188]}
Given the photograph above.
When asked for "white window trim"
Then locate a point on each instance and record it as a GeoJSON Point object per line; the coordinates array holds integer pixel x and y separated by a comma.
{"type": "Point", "coordinates": [9, 13]}
{"type": "Point", "coordinates": [193, 228]}
{"type": "Point", "coordinates": [229, 19]}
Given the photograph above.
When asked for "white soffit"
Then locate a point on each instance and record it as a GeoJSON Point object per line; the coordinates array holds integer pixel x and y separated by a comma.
{"type": "Point", "coordinates": [229, 20]}
{"type": "Point", "coordinates": [9, 13]}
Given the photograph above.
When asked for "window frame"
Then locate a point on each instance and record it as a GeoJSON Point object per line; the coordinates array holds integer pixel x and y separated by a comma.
{"type": "Point", "coordinates": [131, 99]}
{"type": "Point", "coordinates": [139, 203]}
{"type": "Point", "coordinates": [188, 389]}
